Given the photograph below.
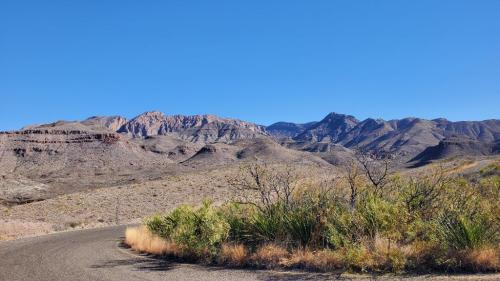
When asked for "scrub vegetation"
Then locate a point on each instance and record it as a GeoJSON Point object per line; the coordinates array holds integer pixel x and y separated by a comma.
{"type": "Point", "coordinates": [367, 220]}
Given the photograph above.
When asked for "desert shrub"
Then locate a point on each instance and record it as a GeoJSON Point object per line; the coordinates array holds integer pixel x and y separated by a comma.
{"type": "Point", "coordinates": [388, 255]}
{"type": "Point", "coordinates": [300, 224]}
{"type": "Point", "coordinates": [199, 231]}
{"type": "Point", "coordinates": [376, 215]}
{"type": "Point", "coordinates": [237, 216]}
{"type": "Point", "coordinates": [461, 232]}
{"type": "Point", "coordinates": [340, 229]}
{"type": "Point", "coordinates": [357, 257]}
{"type": "Point", "coordinates": [267, 225]}
{"type": "Point", "coordinates": [158, 225]}
{"type": "Point", "coordinates": [429, 223]}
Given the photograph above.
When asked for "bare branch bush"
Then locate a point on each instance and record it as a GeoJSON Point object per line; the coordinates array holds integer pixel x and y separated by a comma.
{"type": "Point", "coordinates": [376, 167]}
{"type": "Point", "coordinates": [353, 174]}
{"type": "Point", "coordinates": [262, 185]}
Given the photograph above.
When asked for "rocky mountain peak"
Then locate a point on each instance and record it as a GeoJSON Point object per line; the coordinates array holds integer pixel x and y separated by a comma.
{"type": "Point", "coordinates": [331, 128]}
{"type": "Point", "coordinates": [195, 128]}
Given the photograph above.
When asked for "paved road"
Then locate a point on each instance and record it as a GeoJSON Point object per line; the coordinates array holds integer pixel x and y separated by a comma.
{"type": "Point", "coordinates": [96, 255]}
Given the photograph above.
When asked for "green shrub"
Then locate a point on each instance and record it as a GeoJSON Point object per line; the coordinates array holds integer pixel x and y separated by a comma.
{"type": "Point", "coordinates": [157, 224]}
{"type": "Point", "coordinates": [414, 224]}
{"type": "Point", "coordinates": [460, 232]}
{"type": "Point", "coordinates": [236, 215]}
{"type": "Point", "coordinates": [300, 224]}
{"type": "Point", "coordinates": [267, 225]}
{"type": "Point", "coordinates": [198, 231]}
{"type": "Point", "coordinates": [376, 215]}
{"type": "Point", "coordinates": [339, 231]}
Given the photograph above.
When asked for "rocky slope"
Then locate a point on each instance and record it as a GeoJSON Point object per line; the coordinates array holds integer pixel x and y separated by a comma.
{"type": "Point", "coordinates": [67, 156]}
{"type": "Point", "coordinates": [195, 128]}
{"type": "Point", "coordinates": [331, 129]}
{"type": "Point", "coordinates": [112, 123]}
{"type": "Point", "coordinates": [287, 129]}
{"type": "Point", "coordinates": [405, 137]}
{"type": "Point", "coordinates": [456, 147]}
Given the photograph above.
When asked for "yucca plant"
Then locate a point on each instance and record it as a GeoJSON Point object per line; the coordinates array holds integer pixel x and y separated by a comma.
{"type": "Point", "coordinates": [267, 225]}
{"type": "Point", "coordinates": [460, 232]}
{"type": "Point", "coordinates": [300, 224]}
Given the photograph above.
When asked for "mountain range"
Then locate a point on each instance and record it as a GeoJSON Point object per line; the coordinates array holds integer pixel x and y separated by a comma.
{"type": "Point", "coordinates": [65, 156]}
{"type": "Point", "coordinates": [404, 137]}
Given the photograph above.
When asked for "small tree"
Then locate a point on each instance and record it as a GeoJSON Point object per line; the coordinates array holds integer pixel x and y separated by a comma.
{"type": "Point", "coordinates": [376, 167]}
{"type": "Point", "coordinates": [353, 175]}
{"type": "Point", "coordinates": [271, 183]}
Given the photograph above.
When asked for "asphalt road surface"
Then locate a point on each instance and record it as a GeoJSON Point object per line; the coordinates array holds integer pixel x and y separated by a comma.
{"type": "Point", "coordinates": [96, 255]}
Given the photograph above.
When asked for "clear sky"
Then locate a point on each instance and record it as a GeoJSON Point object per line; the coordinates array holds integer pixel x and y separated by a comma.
{"type": "Point", "coordinates": [261, 61]}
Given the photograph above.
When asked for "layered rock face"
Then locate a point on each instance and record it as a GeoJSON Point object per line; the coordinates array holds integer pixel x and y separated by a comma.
{"type": "Point", "coordinates": [69, 156]}
{"type": "Point", "coordinates": [195, 128]}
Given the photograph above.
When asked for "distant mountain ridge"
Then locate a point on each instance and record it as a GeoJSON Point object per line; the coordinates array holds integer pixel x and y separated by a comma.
{"type": "Point", "coordinates": [333, 136]}
{"type": "Point", "coordinates": [406, 137]}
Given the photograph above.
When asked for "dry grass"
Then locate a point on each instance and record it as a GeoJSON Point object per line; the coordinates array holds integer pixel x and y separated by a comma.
{"type": "Point", "coordinates": [269, 256]}
{"type": "Point", "coordinates": [142, 240]}
{"type": "Point", "coordinates": [324, 260]}
{"type": "Point", "coordinates": [483, 260]}
{"type": "Point", "coordinates": [233, 255]}
{"type": "Point", "coordinates": [388, 255]}
{"type": "Point", "coordinates": [379, 255]}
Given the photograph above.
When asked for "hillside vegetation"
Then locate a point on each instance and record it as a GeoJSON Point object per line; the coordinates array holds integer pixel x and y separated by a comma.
{"type": "Point", "coordinates": [368, 220]}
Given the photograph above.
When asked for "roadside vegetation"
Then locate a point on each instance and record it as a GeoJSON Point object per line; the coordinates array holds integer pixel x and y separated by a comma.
{"type": "Point", "coordinates": [368, 220]}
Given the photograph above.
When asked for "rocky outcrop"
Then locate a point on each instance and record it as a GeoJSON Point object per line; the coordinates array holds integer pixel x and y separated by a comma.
{"type": "Point", "coordinates": [194, 128]}
{"type": "Point", "coordinates": [112, 123]}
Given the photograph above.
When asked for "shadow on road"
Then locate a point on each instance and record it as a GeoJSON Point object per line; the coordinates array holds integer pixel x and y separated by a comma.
{"type": "Point", "coordinates": [142, 262]}
{"type": "Point", "coordinates": [149, 264]}
{"type": "Point", "coordinates": [302, 276]}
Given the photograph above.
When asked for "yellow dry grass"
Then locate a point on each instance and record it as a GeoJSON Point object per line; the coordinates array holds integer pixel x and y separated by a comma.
{"type": "Point", "coordinates": [269, 256]}
{"type": "Point", "coordinates": [233, 255]}
{"type": "Point", "coordinates": [324, 260]}
{"type": "Point", "coordinates": [485, 259]}
{"type": "Point", "coordinates": [142, 240]}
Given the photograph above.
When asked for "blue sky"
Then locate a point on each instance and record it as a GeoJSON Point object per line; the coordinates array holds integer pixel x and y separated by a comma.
{"type": "Point", "coordinates": [262, 61]}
